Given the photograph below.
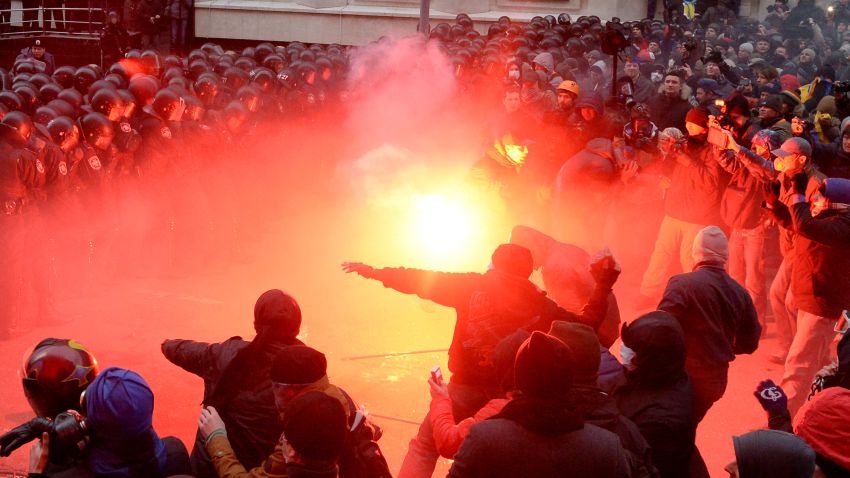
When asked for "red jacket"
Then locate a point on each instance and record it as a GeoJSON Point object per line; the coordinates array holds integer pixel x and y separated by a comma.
{"type": "Point", "coordinates": [449, 435]}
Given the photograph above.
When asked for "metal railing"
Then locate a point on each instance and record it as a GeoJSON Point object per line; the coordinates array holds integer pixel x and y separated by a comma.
{"type": "Point", "coordinates": [54, 17]}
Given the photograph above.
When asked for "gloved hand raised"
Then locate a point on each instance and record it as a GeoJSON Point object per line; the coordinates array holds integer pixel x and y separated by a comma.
{"type": "Point", "coordinates": [604, 269]}
{"type": "Point", "coordinates": [23, 434]}
{"type": "Point", "coordinates": [771, 397]}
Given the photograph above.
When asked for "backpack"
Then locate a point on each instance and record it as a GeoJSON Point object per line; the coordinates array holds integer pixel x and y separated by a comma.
{"type": "Point", "coordinates": [361, 457]}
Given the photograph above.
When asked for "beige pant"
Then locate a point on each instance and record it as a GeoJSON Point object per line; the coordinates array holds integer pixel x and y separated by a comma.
{"type": "Point", "coordinates": [672, 247]}
{"type": "Point", "coordinates": [809, 352]}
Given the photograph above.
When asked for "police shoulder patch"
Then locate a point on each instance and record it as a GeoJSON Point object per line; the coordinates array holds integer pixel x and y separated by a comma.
{"type": "Point", "coordinates": [63, 168]}
{"type": "Point", "coordinates": [94, 162]}
{"type": "Point", "coordinates": [166, 133]}
{"type": "Point", "coordinates": [39, 166]}
{"type": "Point", "coordinates": [125, 127]}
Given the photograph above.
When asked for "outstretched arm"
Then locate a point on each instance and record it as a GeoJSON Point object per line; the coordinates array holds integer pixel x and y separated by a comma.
{"type": "Point", "coordinates": [451, 289]}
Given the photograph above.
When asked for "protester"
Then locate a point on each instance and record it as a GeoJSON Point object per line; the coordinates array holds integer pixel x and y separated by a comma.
{"type": "Point", "coordinates": [235, 374]}
{"type": "Point", "coordinates": [539, 433]}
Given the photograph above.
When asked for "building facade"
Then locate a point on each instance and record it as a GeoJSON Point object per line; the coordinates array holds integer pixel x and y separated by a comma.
{"type": "Point", "coordinates": [355, 22]}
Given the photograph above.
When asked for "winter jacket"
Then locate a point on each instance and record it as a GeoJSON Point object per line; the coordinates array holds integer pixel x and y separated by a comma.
{"type": "Point", "coordinates": [831, 160]}
{"type": "Point", "coordinates": [449, 435]}
{"type": "Point", "coordinates": [780, 125]}
{"type": "Point", "coordinates": [228, 465]}
{"type": "Point", "coordinates": [48, 59]}
{"type": "Point", "coordinates": [819, 280]}
{"type": "Point", "coordinates": [716, 313]}
{"type": "Point", "coordinates": [565, 269]}
{"type": "Point", "coordinates": [137, 15]}
{"type": "Point", "coordinates": [696, 188]}
{"type": "Point", "coordinates": [510, 298]}
{"type": "Point", "coordinates": [252, 420]}
{"type": "Point", "coordinates": [114, 41]}
{"type": "Point", "coordinates": [645, 89]}
{"type": "Point", "coordinates": [669, 112]}
{"type": "Point", "coordinates": [740, 207]}
{"type": "Point", "coordinates": [658, 396]}
{"type": "Point", "coordinates": [501, 448]}
{"type": "Point", "coordinates": [787, 234]}
{"type": "Point", "coordinates": [600, 409]}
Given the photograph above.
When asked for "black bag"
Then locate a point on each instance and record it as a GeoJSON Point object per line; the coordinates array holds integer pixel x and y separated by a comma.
{"type": "Point", "coordinates": [362, 457]}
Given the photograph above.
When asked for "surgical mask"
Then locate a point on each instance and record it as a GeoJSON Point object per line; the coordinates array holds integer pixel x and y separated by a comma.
{"type": "Point", "coordinates": [513, 74]}
{"type": "Point", "coordinates": [656, 77]}
{"type": "Point", "coordinates": [628, 356]}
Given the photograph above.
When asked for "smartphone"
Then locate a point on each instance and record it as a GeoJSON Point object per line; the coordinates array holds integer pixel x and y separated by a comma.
{"type": "Point", "coordinates": [437, 375]}
{"type": "Point", "coordinates": [717, 137]}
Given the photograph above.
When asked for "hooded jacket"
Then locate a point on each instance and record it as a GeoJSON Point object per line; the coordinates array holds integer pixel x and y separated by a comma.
{"type": "Point", "coordinates": [822, 422]}
{"type": "Point", "coordinates": [657, 396]}
{"type": "Point", "coordinates": [250, 415]}
{"type": "Point", "coordinates": [770, 453]}
{"type": "Point", "coordinates": [539, 432]}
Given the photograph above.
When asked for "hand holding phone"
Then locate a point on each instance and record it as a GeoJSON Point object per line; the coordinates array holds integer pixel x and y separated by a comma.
{"type": "Point", "coordinates": [437, 375]}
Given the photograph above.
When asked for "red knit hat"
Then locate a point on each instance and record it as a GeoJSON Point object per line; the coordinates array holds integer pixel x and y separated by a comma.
{"type": "Point", "coordinates": [789, 82]}
{"type": "Point", "coordinates": [698, 116]}
{"type": "Point", "coordinates": [824, 423]}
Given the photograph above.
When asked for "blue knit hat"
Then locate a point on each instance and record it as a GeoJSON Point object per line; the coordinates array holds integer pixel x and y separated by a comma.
{"type": "Point", "coordinates": [119, 410]}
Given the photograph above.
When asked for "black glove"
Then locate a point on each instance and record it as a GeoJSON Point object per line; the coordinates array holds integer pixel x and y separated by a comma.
{"type": "Point", "coordinates": [799, 183]}
{"type": "Point", "coordinates": [771, 192]}
{"type": "Point", "coordinates": [771, 397]}
{"type": "Point", "coordinates": [604, 269]}
{"type": "Point", "coordinates": [23, 434]}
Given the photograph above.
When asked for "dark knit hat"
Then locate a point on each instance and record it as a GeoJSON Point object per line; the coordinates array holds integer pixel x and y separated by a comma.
{"type": "Point", "coordinates": [543, 367]}
{"type": "Point", "coordinates": [315, 426]}
{"type": "Point", "coordinates": [773, 453]}
{"type": "Point", "coordinates": [298, 365]}
{"type": "Point", "coordinates": [514, 260]}
{"type": "Point", "coordinates": [837, 190]}
{"type": "Point", "coordinates": [278, 310]}
{"type": "Point", "coordinates": [773, 102]}
{"type": "Point", "coordinates": [584, 344]}
{"type": "Point", "coordinates": [708, 85]}
{"type": "Point", "coordinates": [698, 116]}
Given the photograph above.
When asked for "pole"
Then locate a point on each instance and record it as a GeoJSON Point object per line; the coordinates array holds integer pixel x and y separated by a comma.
{"type": "Point", "coordinates": [424, 17]}
{"type": "Point", "coordinates": [396, 354]}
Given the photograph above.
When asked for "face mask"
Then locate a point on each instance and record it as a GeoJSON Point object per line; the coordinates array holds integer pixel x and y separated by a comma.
{"type": "Point", "coordinates": [513, 74]}
{"type": "Point", "coordinates": [656, 77]}
{"type": "Point", "coordinates": [628, 356]}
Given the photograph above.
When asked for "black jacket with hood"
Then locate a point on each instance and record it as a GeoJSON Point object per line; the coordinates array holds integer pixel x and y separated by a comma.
{"type": "Point", "coordinates": [657, 395]}
{"type": "Point", "coordinates": [236, 379]}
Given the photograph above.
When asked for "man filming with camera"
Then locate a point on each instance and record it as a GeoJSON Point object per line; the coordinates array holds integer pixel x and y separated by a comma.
{"type": "Point", "coordinates": [692, 203]}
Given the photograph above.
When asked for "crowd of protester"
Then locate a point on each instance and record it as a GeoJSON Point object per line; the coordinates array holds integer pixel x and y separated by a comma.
{"type": "Point", "coordinates": [732, 129]}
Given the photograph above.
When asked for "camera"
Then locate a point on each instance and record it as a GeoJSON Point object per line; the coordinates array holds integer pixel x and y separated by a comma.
{"type": "Point", "coordinates": [723, 119]}
{"type": "Point", "coordinates": [69, 434]}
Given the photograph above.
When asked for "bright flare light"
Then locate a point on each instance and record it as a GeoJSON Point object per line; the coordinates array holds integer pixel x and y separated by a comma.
{"type": "Point", "coordinates": [442, 226]}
